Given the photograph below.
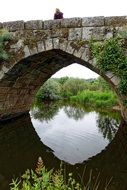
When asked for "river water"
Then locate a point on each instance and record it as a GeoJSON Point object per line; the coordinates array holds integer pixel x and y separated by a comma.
{"type": "Point", "coordinates": [83, 139]}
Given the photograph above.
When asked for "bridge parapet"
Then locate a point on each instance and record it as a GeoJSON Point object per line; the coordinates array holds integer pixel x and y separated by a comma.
{"type": "Point", "coordinates": [66, 23]}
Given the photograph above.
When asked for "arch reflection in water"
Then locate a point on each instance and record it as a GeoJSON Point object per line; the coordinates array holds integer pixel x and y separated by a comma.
{"type": "Point", "coordinates": [20, 147]}
{"type": "Point", "coordinates": [74, 134]}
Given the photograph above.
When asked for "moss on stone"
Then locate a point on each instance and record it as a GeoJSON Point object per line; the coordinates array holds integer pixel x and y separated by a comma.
{"type": "Point", "coordinates": [78, 44]}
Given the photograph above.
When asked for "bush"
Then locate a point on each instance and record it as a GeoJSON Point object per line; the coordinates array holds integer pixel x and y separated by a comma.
{"type": "Point", "coordinates": [49, 91]}
{"type": "Point", "coordinates": [4, 36]}
{"type": "Point", "coordinates": [95, 99]}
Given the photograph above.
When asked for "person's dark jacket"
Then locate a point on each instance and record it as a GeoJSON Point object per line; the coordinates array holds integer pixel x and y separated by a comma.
{"type": "Point", "coordinates": [58, 15]}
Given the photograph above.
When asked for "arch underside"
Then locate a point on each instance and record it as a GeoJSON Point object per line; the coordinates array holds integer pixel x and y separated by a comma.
{"type": "Point", "coordinates": [21, 83]}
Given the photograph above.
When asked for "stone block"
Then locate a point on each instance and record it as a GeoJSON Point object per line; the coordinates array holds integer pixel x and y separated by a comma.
{"type": "Point", "coordinates": [34, 24]}
{"type": "Point", "coordinates": [115, 80]}
{"type": "Point", "coordinates": [40, 46]}
{"type": "Point", "coordinates": [13, 26]}
{"type": "Point", "coordinates": [63, 44]}
{"type": "Point", "coordinates": [33, 50]}
{"type": "Point", "coordinates": [1, 74]}
{"type": "Point", "coordinates": [48, 44]}
{"type": "Point", "coordinates": [55, 43]}
{"type": "Point", "coordinates": [109, 74]}
{"type": "Point", "coordinates": [121, 31]}
{"type": "Point", "coordinates": [86, 55]}
{"type": "Point", "coordinates": [60, 32]}
{"type": "Point", "coordinates": [93, 21]}
{"type": "Point", "coordinates": [71, 22]}
{"type": "Point", "coordinates": [26, 51]}
{"type": "Point", "coordinates": [108, 32]}
{"type": "Point", "coordinates": [5, 69]}
{"type": "Point", "coordinates": [116, 21]}
{"type": "Point", "coordinates": [70, 49]}
{"type": "Point", "coordinates": [96, 33]}
{"type": "Point", "coordinates": [50, 24]}
{"type": "Point", "coordinates": [78, 53]}
{"type": "Point", "coordinates": [75, 34]}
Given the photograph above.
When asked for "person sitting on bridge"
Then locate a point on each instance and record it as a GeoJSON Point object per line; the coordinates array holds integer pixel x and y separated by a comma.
{"type": "Point", "coordinates": [58, 14]}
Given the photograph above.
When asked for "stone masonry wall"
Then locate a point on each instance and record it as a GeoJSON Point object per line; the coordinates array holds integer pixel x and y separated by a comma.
{"type": "Point", "coordinates": [40, 48]}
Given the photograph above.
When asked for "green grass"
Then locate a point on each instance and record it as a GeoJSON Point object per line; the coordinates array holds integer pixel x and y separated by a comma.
{"type": "Point", "coordinates": [95, 99]}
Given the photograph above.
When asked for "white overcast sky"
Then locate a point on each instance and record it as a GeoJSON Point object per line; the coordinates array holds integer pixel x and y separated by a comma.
{"type": "Point", "coordinates": [12, 10]}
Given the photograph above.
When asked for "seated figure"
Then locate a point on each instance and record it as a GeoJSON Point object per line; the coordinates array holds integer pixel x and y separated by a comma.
{"type": "Point", "coordinates": [58, 14]}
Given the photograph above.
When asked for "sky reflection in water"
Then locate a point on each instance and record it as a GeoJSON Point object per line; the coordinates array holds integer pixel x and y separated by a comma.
{"type": "Point", "coordinates": [74, 135]}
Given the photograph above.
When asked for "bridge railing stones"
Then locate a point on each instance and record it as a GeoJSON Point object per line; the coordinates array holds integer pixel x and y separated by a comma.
{"type": "Point", "coordinates": [65, 23]}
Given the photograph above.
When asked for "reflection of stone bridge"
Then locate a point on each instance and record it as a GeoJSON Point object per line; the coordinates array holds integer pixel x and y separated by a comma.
{"type": "Point", "coordinates": [20, 146]}
{"type": "Point", "coordinates": [39, 49]}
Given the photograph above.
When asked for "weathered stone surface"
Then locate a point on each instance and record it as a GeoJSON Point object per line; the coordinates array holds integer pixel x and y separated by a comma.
{"type": "Point", "coordinates": [33, 50]}
{"type": "Point", "coordinates": [5, 69]}
{"type": "Point", "coordinates": [34, 24]}
{"type": "Point", "coordinates": [108, 32]}
{"type": "Point", "coordinates": [40, 46]}
{"type": "Point", "coordinates": [116, 21]}
{"type": "Point", "coordinates": [55, 43]}
{"type": "Point", "coordinates": [48, 44]}
{"type": "Point", "coordinates": [71, 23]}
{"type": "Point", "coordinates": [79, 52]}
{"type": "Point", "coordinates": [1, 74]}
{"type": "Point", "coordinates": [63, 44]}
{"type": "Point", "coordinates": [18, 45]}
{"type": "Point", "coordinates": [75, 34]}
{"type": "Point", "coordinates": [13, 26]}
{"type": "Point", "coordinates": [85, 55]}
{"type": "Point", "coordinates": [96, 33]}
{"type": "Point", "coordinates": [93, 21]}
{"type": "Point", "coordinates": [26, 51]}
{"type": "Point", "coordinates": [70, 49]}
{"type": "Point", "coordinates": [115, 80]}
{"type": "Point", "coordinates": [50, 24]}
{"type": "Point", "coordinates": [109, 74]}
{"type": "Point", "coordinates": [4, 90]}
{"type": "Point", "coordinates": [60, 32]}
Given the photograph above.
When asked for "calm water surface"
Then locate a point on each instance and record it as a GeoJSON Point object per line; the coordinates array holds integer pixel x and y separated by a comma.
{"type": "Point", "coordinates": [82, 138]}
{"type": "Point", "coordinates": [73, 134]}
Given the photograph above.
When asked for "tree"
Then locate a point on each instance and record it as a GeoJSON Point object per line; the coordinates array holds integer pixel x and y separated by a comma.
{"type": "Point", "coordinates": [72, 86]}
{"type": "Point", "coordinates": [49, 91]}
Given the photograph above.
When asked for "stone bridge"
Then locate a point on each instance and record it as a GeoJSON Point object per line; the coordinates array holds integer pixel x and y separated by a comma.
{"type": "Point", "coordinates": [39, 49]}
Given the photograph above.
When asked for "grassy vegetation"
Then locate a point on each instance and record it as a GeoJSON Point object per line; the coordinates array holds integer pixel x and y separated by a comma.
{"type": "Point", "coordinates": [42, 179]}
{"type": "Point", "coordinates": [95, 99]}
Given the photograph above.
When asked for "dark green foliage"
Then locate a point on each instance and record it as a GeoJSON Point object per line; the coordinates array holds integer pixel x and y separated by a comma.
{"type": "Point", "coordinates": [110, 56]}
{"type": "Point", "coordinates": [61, 80]}
{"type": "Point", "coordinates": [72, 86]}
{"type": "Point", "coordinates": [107, 126]}
{"type": "Point", "coordinates": [49, 91]}
{"type": "Point", "coordinates": [4, 37]}
{"type": "Point", "coordinates": [46, 110]}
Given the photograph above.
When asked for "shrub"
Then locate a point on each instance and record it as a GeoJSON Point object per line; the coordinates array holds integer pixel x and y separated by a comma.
{"type": "Point", "coordinates": [4, 36]}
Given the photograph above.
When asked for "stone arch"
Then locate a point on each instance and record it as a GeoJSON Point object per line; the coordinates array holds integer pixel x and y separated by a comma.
{"type": "Point", "coordinates": [20, 82]}
{"type": "Point", "coordinates": [40, 48]}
